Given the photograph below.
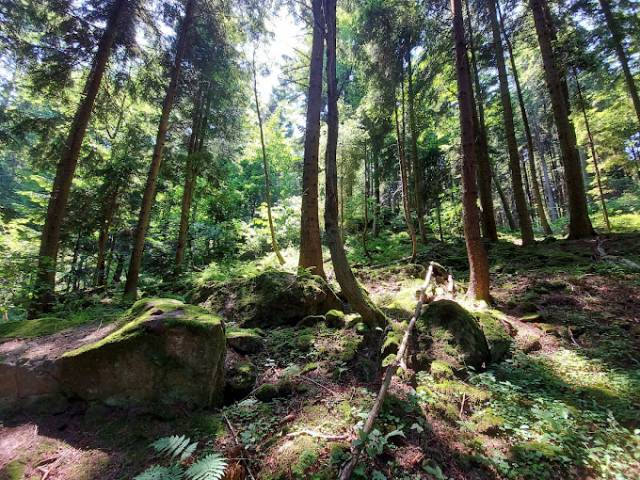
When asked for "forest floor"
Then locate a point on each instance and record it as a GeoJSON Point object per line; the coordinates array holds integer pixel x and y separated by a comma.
{"type": "Point", "coordinates": [566, 404]}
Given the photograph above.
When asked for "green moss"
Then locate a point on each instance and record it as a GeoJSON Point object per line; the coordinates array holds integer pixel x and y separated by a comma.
{"type": "Point", "coordinates": [207, 424]}
{"type": "Point", "coordinates": [13, 470]}
{"type": "Point", "coordinates": [534, 450]}
{"type": "Point", "coordinates": [498, 338]}
{"type": "Point", "coordinates": [485, 421]}
{"type": "Point", "coordinates": [441, 370]}
{"type": "Point", "coordinates": [191, 317]}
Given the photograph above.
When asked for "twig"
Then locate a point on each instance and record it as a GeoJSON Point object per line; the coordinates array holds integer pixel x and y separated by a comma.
{"type": "Point", "coordinates": [318, 384]}
{"type": "Point", "coordinates": [235, 439]}
{"type": "Point", "coordinates": [350, 466]}
{"type": "Point", "coordinates": [464, 399]}
{"type": "Point", "coordinates": [572, 337]}
{"type": "Point", "coordinates": [313, 433]}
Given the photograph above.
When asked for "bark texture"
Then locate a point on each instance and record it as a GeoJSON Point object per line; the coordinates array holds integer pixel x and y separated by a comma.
{"type": "Point", "coordinates": [358, 299]}
{"type": "Point", "coordinates": [579, 222]}
{"type": "Point", "coordinates": [310, 242]}
{"type": "Point", "coordinates": [478, 261]}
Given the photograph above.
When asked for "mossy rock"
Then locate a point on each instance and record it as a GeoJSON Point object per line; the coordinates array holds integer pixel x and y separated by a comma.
{"type": "Point", "coordinates": [446, 331]}
{"type": "Point", "coordinates": [245, 340]}
{"type": "Point", "coordinates": [271, 298]}
{"type": "Point", "coordinates": [269, 391]}
{"type": "Point", "coordinates": [311, 321]}
{"type": "Point", "coordinates": [240, 378]}
{"type": "Point", "coordinates": [441, 370]}
{"type": "Point", "coordinates": [165, 352]}
{"type": "Point", "coordinates": [295, 456]}
{"type": "Point", "coordinates": [497, 336]}
{"type": "Point", "coordinates": [335, 319]}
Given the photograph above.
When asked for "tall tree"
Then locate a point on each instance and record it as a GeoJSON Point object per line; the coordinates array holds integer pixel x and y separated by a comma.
{"type": "Point", "coordinates": [478, 260]}
{"type": "Point", "coordinates": [120, 12]}
{"type": "Point", "coordinates": [535, 186]}
{"type": "Point", "coordinates": [482, 145]}
{"type": "Point", "coordinates": [265, 165]}
{"type": "Point", "coordinates": [310, 242]}
{"type": "Point", "coordinates": [358, 299]}
{"type": "Point", "coordinates": [526, 229]}
{"type": "Point", "coordinates": [617, 38]}
{"type": "Point", "coordinates": [579, 222]}
{"type": "Point", "coordinates": [182, 45]}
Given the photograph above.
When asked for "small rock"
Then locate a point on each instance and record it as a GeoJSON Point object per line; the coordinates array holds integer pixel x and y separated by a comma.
{"type": "Point", "coordinates": [245, 340]}
{"type": "Point", "coordinates": [335, 319]}
{"type": "Point", "coordinates": [531, 344]}
{"type": "Point", "coordinates": [239, 380]}
{"type": "Point", "coordinates": [532, 318]}
{"type": "Point", "coordinates": [311, 320]}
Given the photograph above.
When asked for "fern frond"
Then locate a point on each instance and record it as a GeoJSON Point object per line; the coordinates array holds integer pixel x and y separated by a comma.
{"type": "Point", "coordinates": [175, 446]}
{"type": "Point", "coordinates": [157, 472]}
{"type": "Point", "coordinates": [211, 467]}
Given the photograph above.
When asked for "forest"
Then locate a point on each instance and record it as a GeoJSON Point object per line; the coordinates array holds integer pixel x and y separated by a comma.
{"type": "Point", "coordinates": [319, 239]}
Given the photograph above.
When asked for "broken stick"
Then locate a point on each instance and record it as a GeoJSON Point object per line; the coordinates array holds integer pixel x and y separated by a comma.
{"type": "Point", "coordinates": [349, 467]}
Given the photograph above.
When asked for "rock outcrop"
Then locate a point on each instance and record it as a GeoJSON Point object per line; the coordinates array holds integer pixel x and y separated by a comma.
{"type": "Point", "coordinates": [161, 352]}
{"type": "Point", "coordinates": [271, 298]}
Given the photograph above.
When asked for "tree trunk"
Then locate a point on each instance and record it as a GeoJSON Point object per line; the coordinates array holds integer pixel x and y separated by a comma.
{"type": "Point", "coordinates": [109, 213]}
{"type": "Point", "coordinates": [478, 261]}
{"type": "Point", "coordinates": [49, 242]}
{"type": "Point", "coordinates": [505, 202]}
{"type": "Point", "coordinates": [376, 193]}
{"type": "Point", "coordinates": [418, 171]}
{"type": "Point", "coordinates": [592, 146]}
{"type": "Point", "coordinates": [537, 196]}
{"type": "Point", "coordinates": [265, 165]}
{"type": "Point", "coordinates": [526, 229]}
{"type": "Point", "coordinates": [310, 242]}
{"type": "Point", "coordinates": [131, 285]}
{"type": "Point", "coordinates": [365, 230]}
{"type": "Point", "coordinates": [358, 299]}
{"type": "Point", "coordinates": [484, 166]}
{"type": "Point", "coordinates": [579, 222]}
{"type": "Point", "coordinates": [617, 38]}
{"type": "Point", "coordinates": [405, 189]}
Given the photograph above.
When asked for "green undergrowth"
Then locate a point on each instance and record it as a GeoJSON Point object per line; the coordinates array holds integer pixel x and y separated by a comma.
{"type": "Point", "coordinates": [65, 319]}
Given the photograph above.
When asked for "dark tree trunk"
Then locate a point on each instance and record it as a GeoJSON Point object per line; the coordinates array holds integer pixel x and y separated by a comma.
{"type": "Point", "coordinates": [478, 261]}
{"type": "Point", "coordinates": [109, 212]}
{"type": "Point", "coordinates": [537, 196]}
{"type": "Point", "coordinates": [367, 186]}
{"type": "Point", "coordinates": [526, 229]}
{"type": "Point", "coordinates": [579, 222]}
{"type": "Point", "coordinates": [592, 146]}
{"type": "Point", "coordinates": [50, 240]}
{"type": "Point", "coordinates": [310, 241]}
{"type": "Point", "coordinates": [405, 188]}
{"type": "Point", "coordinates": [376, 194]}
{"type": "Point", "coordinates": [617, 38]}
{"type": "Point", "coordinates": [358, 299]}
{"type": "Point", "coordinates": [505, 203]}
{"type": "Point", "coordinates": [182, 45]}
{"type": "Point", "coordinates": [418, 170]}
{"type": "Point", "coordinates": [484, 165]}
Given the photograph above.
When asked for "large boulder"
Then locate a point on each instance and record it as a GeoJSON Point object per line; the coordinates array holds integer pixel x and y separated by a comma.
{"type": "Point", "coordinates": [166, 352]}
{"type": "Point", "coordinates": [271, 298]}
{"type": "Point", "coordinates": [449, 333]}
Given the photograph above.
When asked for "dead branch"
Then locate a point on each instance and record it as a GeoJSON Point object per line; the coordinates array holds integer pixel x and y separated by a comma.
{"type": "Point", "coordinates": [348, 468]}
{"type": "Point", "coordinates": [238, 444]}
{"type": "Point", "coordinates": [314, 434]}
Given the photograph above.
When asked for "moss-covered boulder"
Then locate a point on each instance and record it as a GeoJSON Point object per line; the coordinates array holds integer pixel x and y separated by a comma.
{"type": "Point", "coordinates": [245, 340]}
{"type": "Point", "coordinates": [335, 319]}
{"type": "Point", "coordinates": [448, 332]}
{"type": "Point", "coordinates": [497, 336]}
{"type": "Point", "coordinates": [271, 298]}
{"type": "Point", "coordinates": [165, 352]}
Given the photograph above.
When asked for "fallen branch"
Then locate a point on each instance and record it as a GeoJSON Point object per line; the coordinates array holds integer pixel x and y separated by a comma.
{"type": "Point", "coordinates": [311, 380]}
{"type": "Point", "coordinates": [314, 434]}
{"type": "Point", "coordinates": [238, 444]}
{"type": "Point", "coordinates": [349, 467]}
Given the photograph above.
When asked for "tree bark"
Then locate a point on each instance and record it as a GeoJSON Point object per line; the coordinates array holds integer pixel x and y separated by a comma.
{"type": "Point", "coordinates": [535, 186]}
{"type": "Point", "coordinates": [484, 165]}
{"type": "Point", "coordinates": [365, 229]}
{"type": "Point", "coordinates": [182, 45]}
{"type": "Point", "coordinates": [522, 210]}
{"type": "Point", "coordinates": [56, 209]}
{"type": "Point", "coordinates": [265, 165]}
{"type": "Point", "coordinates": [478, 261]}
{"type": "Point", "coordinates": [405, 189]}
{"type": "Point", "coordinates": [617, 38]}
{"type": "Point", "coordinates": [358, 299]}
{"type": "Point", "coordinates": [592, 146]}
{"type": "Point", "coordinates": [108, 215]}
{"type": "Point", "coordinates": [505, 203]}
{"type": "Point", "coordinates": [579, 222]}
{"type": "Point", "coordinates": [310, 241]}
{"type": "Point", "coordinates": [418, 171]}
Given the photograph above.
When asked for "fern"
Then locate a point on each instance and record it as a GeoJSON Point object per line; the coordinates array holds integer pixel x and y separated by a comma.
{"type": "Point", "coordinates": [179, 447]}
{"type": "Point", "coordinates": [157, 472]}
{"type": "Point", "coordinates": [211, 467]}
